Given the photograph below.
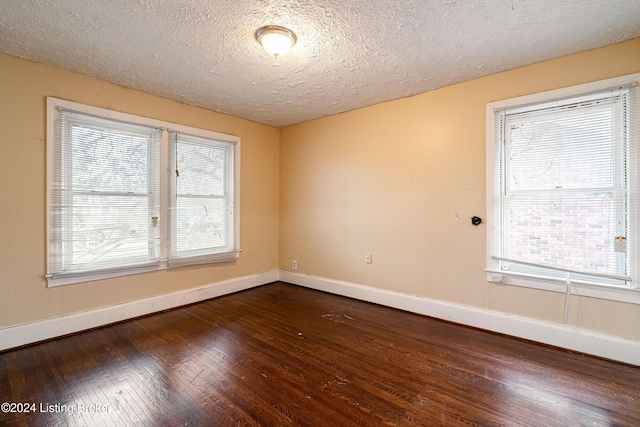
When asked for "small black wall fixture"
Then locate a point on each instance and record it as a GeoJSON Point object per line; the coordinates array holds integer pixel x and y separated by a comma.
{"type": "Point", "coordinates": [476, 220]}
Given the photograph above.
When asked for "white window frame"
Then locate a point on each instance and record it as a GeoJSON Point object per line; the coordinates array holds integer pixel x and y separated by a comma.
{"type": "Point", "coordinates": [192, 256]}
{"type": "Point", "coordinates": [231, 251]}
{"type": "Point", "coordinates": [495, 274]}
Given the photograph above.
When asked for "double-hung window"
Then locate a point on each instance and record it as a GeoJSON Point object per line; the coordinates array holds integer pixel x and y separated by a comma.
{"type": "Point", "coordinates": [128, 194]}
{"type": "Point", "coordinates": [202, 220]}
{"type": "Point", "coordinates": [563, 187]}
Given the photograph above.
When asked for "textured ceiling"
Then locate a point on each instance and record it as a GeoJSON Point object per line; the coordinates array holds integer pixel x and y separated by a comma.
{"type": "Point", "coordinates": [349, 54]}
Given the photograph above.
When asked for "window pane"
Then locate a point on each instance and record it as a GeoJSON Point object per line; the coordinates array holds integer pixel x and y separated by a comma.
{"type": "Point", "coordinates": [574, 231]}
{"type": "Point", "coordinates": [562, 149]}
{"type": "Point", "coordinates": [108, 228]}
{"type": "Point", "coordinates": [200, 223]}
{"type": "Point", "coordinates": [201, 169]}
{"type": "Point", "coordinates": [107, 160]}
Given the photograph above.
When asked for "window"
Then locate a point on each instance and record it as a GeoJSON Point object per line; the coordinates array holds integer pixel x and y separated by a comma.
{"type": "Point", "coordinates": [113, 206]}
{"type": "Point", "coordinates": [562, 186]}
{"type": "Point", "coordinates": [202, 199]}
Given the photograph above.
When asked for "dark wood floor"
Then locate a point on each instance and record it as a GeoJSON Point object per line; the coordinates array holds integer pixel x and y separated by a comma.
{"type": "Point", "coordinates": [281, 355]}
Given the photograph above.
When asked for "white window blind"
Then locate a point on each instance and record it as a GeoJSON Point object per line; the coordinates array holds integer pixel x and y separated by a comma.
{"type": "Point", "coordinates": [565, 188]}
{"type": "Point", "coordinates": [104, 203]}
{"type": "Point", "coordinates": [128, 194]}
{"type": "Point", "coordinates": [202, 200]}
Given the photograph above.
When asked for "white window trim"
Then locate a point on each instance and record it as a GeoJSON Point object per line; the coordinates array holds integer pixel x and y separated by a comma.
{"type": "Point", "coordinates": [200, 256]}
{"type": "Point", "coordinates": [55, 104]}
{"type": "Point", "coordinates": [494, 275]}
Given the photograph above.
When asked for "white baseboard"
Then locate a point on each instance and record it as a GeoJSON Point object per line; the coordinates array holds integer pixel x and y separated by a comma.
{"type": "Point", "coordinates": [571, 338]}
{"type": "Point", "coordinates": [568, 337]}
{"type": "Point", "coordinates": [15, 336]}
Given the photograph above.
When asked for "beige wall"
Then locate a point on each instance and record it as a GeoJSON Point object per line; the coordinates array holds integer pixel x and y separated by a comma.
{"type": "Point", "coordinates": [390, 179]}
{"type": "Point", "coordinates": [24, 296]}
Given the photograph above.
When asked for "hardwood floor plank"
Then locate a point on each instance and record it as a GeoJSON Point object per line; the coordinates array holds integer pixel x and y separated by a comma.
{"type": "Point", "coordinates": [281, 355]}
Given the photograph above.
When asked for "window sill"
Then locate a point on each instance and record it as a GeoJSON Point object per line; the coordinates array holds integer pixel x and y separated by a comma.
{"type": "Point", "coordinates": [62, 280]}
{"type": "Point", "coordinates": [612, 293]}
{"type": "Point", "coordinates": [71, 279]}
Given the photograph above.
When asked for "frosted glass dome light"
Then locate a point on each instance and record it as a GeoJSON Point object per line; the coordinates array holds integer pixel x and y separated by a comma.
{"type": "Point", "coordinates": [276, 40]}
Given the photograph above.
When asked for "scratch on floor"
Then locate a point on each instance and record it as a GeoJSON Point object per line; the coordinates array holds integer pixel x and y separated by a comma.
{"type": "Point", "coordinates": [194, 378]}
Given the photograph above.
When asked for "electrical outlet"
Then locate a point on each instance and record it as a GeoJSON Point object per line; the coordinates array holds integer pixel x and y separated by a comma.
{"type": "Point", "coordinates": [294, 264]}
{"type": "Point", "coordinates": [367, 258]}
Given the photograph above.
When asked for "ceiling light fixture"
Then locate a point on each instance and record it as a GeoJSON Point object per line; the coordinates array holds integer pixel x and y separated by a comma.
{"type": "Point", "coordinates": [276, 40]}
